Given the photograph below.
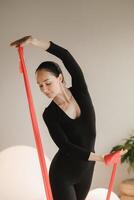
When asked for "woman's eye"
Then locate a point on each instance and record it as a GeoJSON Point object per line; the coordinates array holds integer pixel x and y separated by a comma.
{"type": "Point", "coordinates": [41, 86]}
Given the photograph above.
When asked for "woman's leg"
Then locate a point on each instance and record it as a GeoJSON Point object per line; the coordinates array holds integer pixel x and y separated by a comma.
{"type": "Point", "coordinates": [83, 186]}
{"type": "Point", "coordinates": [62, 190]}
{"type": "Point", "coordinates": [62, 187]}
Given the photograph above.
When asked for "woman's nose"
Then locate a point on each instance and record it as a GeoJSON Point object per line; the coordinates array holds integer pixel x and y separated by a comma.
{"type": "Point", "coordinates": [44, 89]}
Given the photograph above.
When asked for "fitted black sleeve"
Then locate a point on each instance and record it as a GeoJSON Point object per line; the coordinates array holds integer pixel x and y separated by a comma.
{"type": "Point", "coordinates": [78, 80]}
{"type": "Point", "coordinates": [61, 140]}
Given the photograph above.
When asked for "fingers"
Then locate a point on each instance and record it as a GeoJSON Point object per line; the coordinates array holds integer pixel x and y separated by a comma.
{"type": "Point", "coordinates": [20, 41]}
{"type": "Point", "coordinates": [122, 152]}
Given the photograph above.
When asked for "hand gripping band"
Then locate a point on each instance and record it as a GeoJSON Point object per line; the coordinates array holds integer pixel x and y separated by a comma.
{"type": "Point", "coordinates": [112, 158]}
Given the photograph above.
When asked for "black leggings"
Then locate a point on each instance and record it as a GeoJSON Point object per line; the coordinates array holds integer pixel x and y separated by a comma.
{"type": "Point", "coordinates": [70, 179]}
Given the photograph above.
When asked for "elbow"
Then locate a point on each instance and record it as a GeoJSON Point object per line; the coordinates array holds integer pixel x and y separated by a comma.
{"type": "Point", "coordinates": [67, 53]}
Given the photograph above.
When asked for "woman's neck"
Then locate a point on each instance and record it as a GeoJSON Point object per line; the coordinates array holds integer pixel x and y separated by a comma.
{"type": "Point", "coordinates": [63, 97]}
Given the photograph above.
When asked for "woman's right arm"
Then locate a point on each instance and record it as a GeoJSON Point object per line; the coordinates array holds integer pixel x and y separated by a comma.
{"type": "Point", "coordinates": [78, 80]}
{"type": "Point", "coordinates": [77, 76]}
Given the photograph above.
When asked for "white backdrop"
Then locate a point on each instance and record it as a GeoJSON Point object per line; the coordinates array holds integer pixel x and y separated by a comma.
{"type": "Point", "coordinates": [100, 35]}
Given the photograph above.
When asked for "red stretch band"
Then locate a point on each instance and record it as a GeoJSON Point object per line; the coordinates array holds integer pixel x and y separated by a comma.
{"type": "Point", "coordinates": [35, 127]}
{"type": "Point", "coordinates": [112, 158]}
{"type": "Point", "coordinates": [111, 181]}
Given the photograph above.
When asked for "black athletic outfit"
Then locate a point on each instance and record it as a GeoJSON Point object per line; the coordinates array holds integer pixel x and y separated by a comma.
{"type": "Point", "coordinates": [70, 171]}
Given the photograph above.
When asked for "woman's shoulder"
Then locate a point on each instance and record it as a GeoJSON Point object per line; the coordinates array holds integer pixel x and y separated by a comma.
{"type": "Point", "coordinates": [49, 112]}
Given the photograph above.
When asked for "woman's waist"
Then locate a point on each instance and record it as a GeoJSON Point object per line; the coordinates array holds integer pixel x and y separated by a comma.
{"type": "Point", "coordinates": [71, 156]}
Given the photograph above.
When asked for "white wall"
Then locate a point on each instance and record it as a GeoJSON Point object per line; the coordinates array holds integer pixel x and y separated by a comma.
{"type": "Point", "coordinates": [100, 35]}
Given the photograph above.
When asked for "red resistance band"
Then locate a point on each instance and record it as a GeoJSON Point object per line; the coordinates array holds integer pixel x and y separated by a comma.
{"type": "Point", "coordinates": [35, 127]}
{"type": "Point", "coordinates": [113, 158]}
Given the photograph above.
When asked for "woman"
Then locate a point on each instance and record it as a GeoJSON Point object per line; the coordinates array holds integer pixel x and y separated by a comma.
{"type": "Point", "coordinates": [70, 119]}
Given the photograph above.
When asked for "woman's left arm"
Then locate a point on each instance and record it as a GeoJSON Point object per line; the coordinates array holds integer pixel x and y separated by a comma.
{"type": "Point", "coordinates": [108, 158]}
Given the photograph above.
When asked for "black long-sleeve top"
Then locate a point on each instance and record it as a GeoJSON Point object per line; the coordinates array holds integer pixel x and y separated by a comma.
{"type": "Point", "coordinates": [74, 137]}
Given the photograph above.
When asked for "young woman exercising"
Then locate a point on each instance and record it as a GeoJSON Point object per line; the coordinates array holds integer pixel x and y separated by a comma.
{"type": "Point", "coordinates": [70, 119]}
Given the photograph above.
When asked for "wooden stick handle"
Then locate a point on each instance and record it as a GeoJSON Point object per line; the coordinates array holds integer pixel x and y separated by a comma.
{"type": "Point", "coordinates": [18, 42]}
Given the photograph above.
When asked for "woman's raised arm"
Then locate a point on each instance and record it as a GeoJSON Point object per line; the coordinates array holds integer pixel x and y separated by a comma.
{"type": "Point", "coordinates": [78, 80]}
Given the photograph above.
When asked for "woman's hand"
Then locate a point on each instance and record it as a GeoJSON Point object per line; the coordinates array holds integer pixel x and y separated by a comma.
{"type": "Point", "coordinates": [122, 152]}
{"type": "Point", "coordinates": [114, 157]}
{"type": "Point", "coordinates": [108, 158]}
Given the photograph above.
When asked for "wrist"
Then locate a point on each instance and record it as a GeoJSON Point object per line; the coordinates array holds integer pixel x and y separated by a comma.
{"type": "Point", "coordinates": [34, 41]}
{"type": "Point", "coordinates": [102, 158]}
{"type": "Point", "coordinates": [41, 44]}
{"type": "Point", "coordinates": [94, 157]}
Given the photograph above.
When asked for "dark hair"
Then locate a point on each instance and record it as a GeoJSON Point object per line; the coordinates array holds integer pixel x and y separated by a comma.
{"type": "Point", "coordinates": [52, 67]}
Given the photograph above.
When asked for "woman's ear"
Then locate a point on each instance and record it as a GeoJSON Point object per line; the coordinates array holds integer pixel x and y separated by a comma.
{"type": "Point", "coordinates": [61, 79]}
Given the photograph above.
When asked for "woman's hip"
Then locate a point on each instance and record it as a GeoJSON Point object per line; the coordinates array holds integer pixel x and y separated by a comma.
{"type": "Point", "coordinates": [63, 167]}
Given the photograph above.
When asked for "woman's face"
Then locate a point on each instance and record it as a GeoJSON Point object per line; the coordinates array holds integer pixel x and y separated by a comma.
{"type": "Point", "coordinates": [48, 83]}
